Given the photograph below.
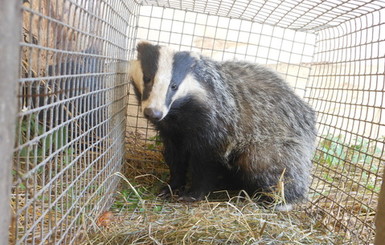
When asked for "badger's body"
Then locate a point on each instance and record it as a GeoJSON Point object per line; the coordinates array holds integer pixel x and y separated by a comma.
{"type": "Point", "coordinates": [230, 124]}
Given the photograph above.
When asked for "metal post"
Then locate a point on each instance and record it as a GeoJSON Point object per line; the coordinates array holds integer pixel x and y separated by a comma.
{"type": "Point", "coordinates": [380, 216]}
{"type": "Point", "coordinates": [10, 19]}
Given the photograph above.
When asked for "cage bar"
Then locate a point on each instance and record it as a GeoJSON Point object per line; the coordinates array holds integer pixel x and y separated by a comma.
{"type": "Point", "coordinates": [9, 13]}
{"type": "Point", "coordinates": [380, 218]}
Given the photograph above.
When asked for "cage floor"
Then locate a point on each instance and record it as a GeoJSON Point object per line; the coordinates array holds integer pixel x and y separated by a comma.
{"type": "Point", "coordinates": [138, 216]}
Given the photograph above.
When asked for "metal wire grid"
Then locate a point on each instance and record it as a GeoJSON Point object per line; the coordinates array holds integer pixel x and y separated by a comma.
{"type": "Point", "coordinates": [297, 15]}
{"type": "Point", "coordinates": [346, 85]}
{"type": "Point", "coordinates": [348, 91]}
{"type": "Point", "coordinates": [72, 116]}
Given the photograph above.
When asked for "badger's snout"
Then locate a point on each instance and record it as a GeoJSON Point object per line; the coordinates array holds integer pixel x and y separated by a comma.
{"type": "Point", "coordinates": [153, 114]}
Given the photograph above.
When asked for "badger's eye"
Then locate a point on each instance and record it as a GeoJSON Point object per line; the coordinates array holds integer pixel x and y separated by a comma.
{"type": "Point", "coordinates": [146, 79]}
{"type": "Point", "coordinates": [174, 86]}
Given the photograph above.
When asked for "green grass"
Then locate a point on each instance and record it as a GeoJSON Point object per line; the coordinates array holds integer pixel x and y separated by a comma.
{"type": "Point", "coordinates": [357, 157]}
{"type": "Point", "coordinates": [30, 128]}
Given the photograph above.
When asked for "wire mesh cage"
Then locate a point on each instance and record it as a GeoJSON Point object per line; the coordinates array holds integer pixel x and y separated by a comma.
{"type": "Point", "coordinates": [72, 100]}
{"type": "Point", "coordinates": [74, 108]}
{"type": "Point", "coordinates": [331, 53]}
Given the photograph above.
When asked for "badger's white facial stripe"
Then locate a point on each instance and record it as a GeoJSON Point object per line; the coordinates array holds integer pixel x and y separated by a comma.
{"type": "Point", "coordinates": [190, 86]}
{"type": "Point", "coordinates": [136, 75]}
{"type": "Point", "coordinates": [157, 98]}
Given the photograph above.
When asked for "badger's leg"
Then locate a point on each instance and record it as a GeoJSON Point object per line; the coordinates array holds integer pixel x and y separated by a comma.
{"type": "Point", "coordinates": [282, 188]}
{"type": "Point", "coordinates": [275, 174]}
{"type": "Point", "coordinates": [205, 175]}
{"type": "Point", "coordinates": [178, 164]}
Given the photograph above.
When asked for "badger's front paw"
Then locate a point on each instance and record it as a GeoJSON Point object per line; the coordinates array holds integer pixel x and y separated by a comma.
{"type": "Point", "coordinates": [188, 199]}
{"type": "Point", "coordinates": [192, 197]}
{"type": "Point", "coordinates": [168, 192]}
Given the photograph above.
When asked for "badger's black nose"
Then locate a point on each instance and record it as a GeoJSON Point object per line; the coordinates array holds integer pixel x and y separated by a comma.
{"type": "Point", "coordinates": [153, 114]}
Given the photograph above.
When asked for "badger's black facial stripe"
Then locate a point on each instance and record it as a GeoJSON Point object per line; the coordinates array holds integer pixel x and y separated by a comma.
{"type": "Point", "coordinates": [137, 93]}
{"type": "Point", "coordinates": [182, 64]}
{"type": "Point", "coordinates": [148, 55]}
{"type": "Point", "coordinates": [147, 89]}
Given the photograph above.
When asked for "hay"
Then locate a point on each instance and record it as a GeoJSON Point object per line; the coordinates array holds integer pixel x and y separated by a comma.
{"type": "Point", "coordinates": [230, 222]}
{"type": "Point", "coordinates": [140, 217]}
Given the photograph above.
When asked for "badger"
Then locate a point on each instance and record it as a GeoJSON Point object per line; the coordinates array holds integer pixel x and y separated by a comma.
{"type": "Point", "coordinates": [226, 125]}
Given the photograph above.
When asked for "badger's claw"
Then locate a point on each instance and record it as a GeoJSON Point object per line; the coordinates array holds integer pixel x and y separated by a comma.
{"type": "Point", "coordinates": [167, 192]}
{"type": "Point", "coordinates": [191, 197]}
{"type": "Point", "coordinates": [188, 199]}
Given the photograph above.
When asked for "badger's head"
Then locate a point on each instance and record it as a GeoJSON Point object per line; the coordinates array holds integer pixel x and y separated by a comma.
{"type": "Point", "coordinates": [161, 77]}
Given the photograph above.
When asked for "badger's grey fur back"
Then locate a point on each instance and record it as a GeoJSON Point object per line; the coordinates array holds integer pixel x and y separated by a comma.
{"type": "Point", "coordinates": [232, 124]}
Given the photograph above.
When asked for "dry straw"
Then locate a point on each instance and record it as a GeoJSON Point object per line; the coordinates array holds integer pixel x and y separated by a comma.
{"type": "Point", "coordinates": [223, 218]}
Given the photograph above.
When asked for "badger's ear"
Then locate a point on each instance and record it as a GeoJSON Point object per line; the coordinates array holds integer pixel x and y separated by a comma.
{"type": "Point", "coordinates": [146, 50]}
